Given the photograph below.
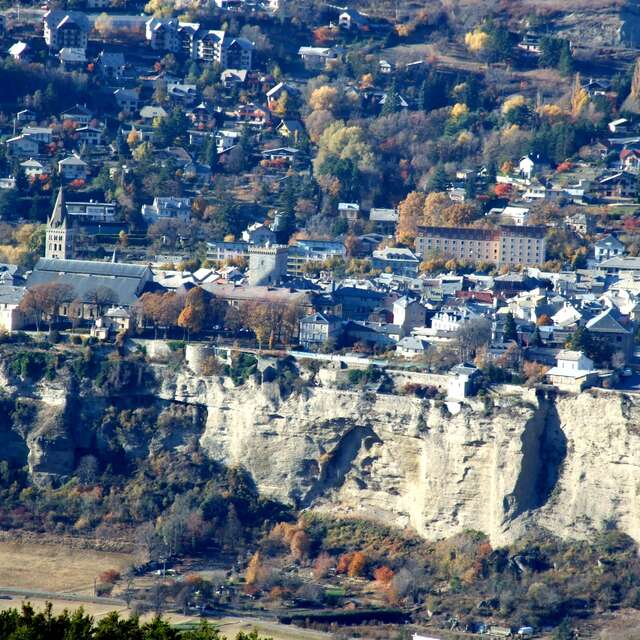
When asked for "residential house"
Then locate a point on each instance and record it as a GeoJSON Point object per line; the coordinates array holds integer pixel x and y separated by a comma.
{"type": "Point", "coordinates": [112, 64]}
{"type": "Point", "coordinates": [408, 314]}
{"type": "Point", "coordinates": [411, 347]}
{"type": "Point", "coordinates": [619, 126]}
{"type": "Point", "coordinates": [630, 160]}
{"type": "Point", "coordinates": [72, 58]}
{"type": "Point", "coordinates": [624, 266]}
{"type": "Point", "coordinates": [32, 168]}
{"type": "Point", "coordinates": [149, 113]}
{"type": "Point", "coordinates": [127, 100]}
{"type": "Point", "coordinates": [356, 303]}
{"type": "Point", "coordinates": [608, 247]}
{"type": "Point", "coordinates": [182, 93]}
{"type": "Point", "coordinates": [78, 114]}
{"type": "Point", "coordinates": [519, 216]}
{"type": "Point", "coordinates": [11, 317]}
{"type": "Point", "coordinates": [290, 128]}
{"type": "Point", "coordinates": [351, 19]}
{"type": "Point", "coordinates": [22, 147]}
{"type": "Point", "coordinates": [227, 251]}
{"type": "Point", "coordinates": [92, 212]}
{"type": "Point", "coordinates": [233, 77]}
{"type": "Point", "coordinates": [167, 207]}
{"type": "Point", "coordinates": [252, 115]}
{"type": "Point", "coordinates": [66, 29]}
{"type": "Point", "coordinates": [448, 319]}
{"type": "Point", "coordinates": [25, 116]}
{"type": "Point", "coordinates": [614, 328]}
{"type": "Point", "coordinates": [385, 67]}
{"type": "Point", "coordinates": [398, 260]}
{"type": "Point", "coordinates": [385, 220]}
{"type": "Point", "coordinates": [276, 92]}
{"type": "Point", "coordinates": [573, 371]}
{"type": "Point", "coordinates": [319, 329]}
{"type": "Point", "coordinates": [319, 57]}
{"type": "Point", "coordinates": [39, 134]}
{"type": "Point", "coordinates": [73, 168]}
{"type": "Point", "coordinates": [91, 136]}
{"type": "Point", "coordinates": [349, 210]}
{"type": "Point", "coordinates": [620, 185]}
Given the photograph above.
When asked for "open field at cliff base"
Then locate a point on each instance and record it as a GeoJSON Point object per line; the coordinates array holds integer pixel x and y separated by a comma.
{"type": "Point", "coordinates": [55, 568]}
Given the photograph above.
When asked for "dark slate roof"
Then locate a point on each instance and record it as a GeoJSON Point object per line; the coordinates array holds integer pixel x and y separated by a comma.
{"type": "Point", "coordinates": [86, 276]}
{"type": "Point", "coordinates": [91, 267]}
{"type": "Point", "coordinates": [609, 321]}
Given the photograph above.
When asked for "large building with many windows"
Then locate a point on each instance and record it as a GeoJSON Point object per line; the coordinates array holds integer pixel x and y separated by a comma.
{"type": "Point", "coordinates": [505, 245]}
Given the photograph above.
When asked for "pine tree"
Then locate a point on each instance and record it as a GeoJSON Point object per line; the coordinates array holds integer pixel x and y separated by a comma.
{"type": "Point", "coordinates": [392, 101]}
{"type": "Point", "coordinates": [510, 329]}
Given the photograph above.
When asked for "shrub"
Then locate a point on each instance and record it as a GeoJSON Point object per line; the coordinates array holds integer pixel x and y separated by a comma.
{"type": "Point", "coordinates": [110, 576]}
{"type": "Point", "coordinates": [175, 345]}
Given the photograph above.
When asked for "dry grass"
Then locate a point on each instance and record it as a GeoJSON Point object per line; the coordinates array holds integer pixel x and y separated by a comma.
{"type": "Point", "coordinates": [54, 568]}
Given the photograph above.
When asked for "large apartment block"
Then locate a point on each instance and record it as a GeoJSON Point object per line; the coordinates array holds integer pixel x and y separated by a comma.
{"type": "Point", "coordinates": [192, 41]}
{"type": "Point", "coordinates": [506, 245]}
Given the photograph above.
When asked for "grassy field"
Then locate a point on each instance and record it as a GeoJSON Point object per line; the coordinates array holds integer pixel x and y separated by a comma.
{"type": "Point", "coordinates": [55, 568]}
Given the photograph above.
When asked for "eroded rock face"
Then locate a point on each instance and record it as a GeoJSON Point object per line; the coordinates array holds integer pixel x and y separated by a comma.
{"type": "Point", "coordinates": [568, 463]}
{"type": "Point", "coordinates": [501, 465]}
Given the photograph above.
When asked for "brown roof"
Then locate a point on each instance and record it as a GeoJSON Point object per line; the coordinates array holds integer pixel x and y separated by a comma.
{"type": "Point", "coordinates": [474, 233]}
{"type": "Point", "coordinates": [246, 293]}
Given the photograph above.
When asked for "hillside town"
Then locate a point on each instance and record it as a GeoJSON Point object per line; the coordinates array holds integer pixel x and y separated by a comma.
{"type": "Point", "coordinates": [315, 316]}
{"type": "Point", "coordinates": [221, 185]}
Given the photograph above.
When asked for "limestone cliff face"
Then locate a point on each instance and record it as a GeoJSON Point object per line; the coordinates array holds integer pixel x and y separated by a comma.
{"type": "Point", "coordinates": [500, 465]}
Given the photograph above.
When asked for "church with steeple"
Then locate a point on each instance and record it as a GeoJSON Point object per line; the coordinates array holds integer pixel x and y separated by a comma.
{"type": "Point", "coordinates": [60, 233]}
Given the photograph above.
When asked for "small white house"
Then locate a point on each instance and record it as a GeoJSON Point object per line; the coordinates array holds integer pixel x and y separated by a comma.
{"type": "Point", "coordinates": [32, 167]}
{"type": "Point", "coordinates": [518, 215]}
{"type": "Point", "coordinates": [573, 371]}
{"type": "Point", "coordinates": [72, 168]}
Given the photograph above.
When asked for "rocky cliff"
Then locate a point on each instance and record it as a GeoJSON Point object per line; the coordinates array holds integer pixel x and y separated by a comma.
{"type": "Point", "coordinates": [501, 464]}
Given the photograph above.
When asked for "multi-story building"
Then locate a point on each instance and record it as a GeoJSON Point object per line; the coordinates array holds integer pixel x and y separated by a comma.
{"type": "Point", "coordinates": [312, 252]}
{"type": "Point", "coordinates": [66, 29]}
{"type": "Point", "coordinates": [168, 207]}
{"type": "Point", "coordinates": [505, 245]}
{"type": "Point", "coordinates": [190, 40]}
{"type": "Point", "coordinates": [92, 211]}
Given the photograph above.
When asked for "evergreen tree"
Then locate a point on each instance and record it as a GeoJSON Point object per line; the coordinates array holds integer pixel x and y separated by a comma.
{"type": "Point", "coordinates": [438, 180]}
{"type": "Point", "coordinates": [510, 329]}
{"type": "Point", "coordinates": [392, 101]}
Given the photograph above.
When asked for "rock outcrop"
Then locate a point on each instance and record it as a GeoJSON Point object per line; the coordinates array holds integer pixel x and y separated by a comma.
{"type": "Point", "coordinates": [512, 461]}
{"type": "Point", "coordinates": [502, 464]}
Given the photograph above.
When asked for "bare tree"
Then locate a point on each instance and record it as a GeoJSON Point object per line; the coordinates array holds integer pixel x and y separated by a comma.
{"type": "Point", "coordinates": [472, 335]}
{"type": "Point", "coordinates": [44, 301]}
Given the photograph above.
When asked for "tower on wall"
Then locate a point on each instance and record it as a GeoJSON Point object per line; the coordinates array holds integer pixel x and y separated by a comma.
{"type": "Point", "coordinates": [267, 264]}
{"type": "Point", "coordinates": [59, 244]}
